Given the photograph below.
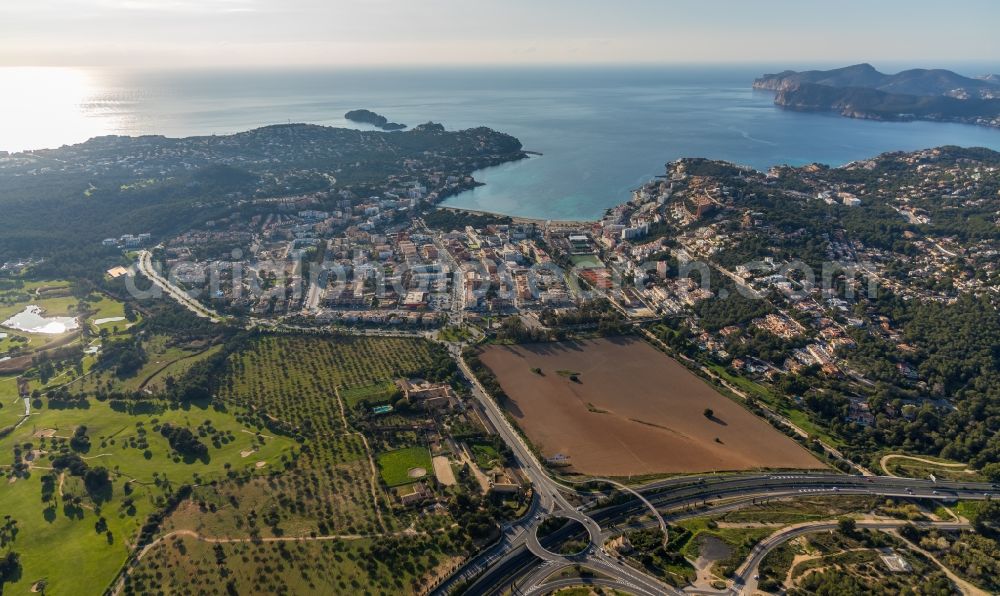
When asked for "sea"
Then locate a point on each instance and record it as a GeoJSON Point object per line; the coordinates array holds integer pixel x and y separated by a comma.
{"type": "Point", "coordinates": [600, 131]}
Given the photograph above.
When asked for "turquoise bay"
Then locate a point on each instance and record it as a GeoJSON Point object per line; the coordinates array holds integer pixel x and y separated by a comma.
{"type": "Point", "coordinates": [602, 131]}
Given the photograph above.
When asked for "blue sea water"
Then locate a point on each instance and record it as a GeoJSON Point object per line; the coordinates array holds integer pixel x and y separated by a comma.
{"type": "Point", "coordinates": [602, 131]}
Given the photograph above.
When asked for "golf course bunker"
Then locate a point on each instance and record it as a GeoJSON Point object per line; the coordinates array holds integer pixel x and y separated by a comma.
{"type": "Point", "coordinates": [630, 410]}
{"type": "Point", "coordinates": [416, 473]}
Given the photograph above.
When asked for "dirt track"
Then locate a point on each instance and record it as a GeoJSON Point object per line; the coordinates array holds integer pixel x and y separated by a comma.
{"type": "Point", "coordinates": [634, 411]}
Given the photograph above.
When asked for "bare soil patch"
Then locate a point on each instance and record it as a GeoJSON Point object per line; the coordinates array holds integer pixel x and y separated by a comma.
{"type": "Point", "coordinates": [442, 470]}
{"type": "Point", "coordinates": [632, 411]}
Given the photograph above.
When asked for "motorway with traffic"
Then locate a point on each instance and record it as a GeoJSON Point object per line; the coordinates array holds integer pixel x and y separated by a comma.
{"type": "Point", "coordinates": [509, 564]}
{"type": "Point", "coordinates": [517, 563]}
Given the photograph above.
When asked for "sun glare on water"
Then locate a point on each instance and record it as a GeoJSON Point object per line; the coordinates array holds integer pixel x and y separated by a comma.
{"type": "Point", "coordinates": [47, 107]}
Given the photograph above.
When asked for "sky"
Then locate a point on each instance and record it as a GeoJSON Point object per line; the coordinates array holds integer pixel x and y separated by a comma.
{"type": "Point", "coordinates": [194, 33]}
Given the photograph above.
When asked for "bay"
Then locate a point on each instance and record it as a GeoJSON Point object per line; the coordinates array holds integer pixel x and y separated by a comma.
{"type": "Point", "coordinates": [601, 130]}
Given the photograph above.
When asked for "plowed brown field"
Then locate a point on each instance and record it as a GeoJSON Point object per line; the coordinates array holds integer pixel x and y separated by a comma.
{"type": "Point", "coordinates": [633, 411]}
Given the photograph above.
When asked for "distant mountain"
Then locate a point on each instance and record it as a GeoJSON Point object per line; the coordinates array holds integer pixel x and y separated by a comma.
{"type": "Point", "coordinates": [917, 81]}
{"type": "Point", "coordinates": [872, 104]}
{"type": "Point", "coordinates": [861, 91]}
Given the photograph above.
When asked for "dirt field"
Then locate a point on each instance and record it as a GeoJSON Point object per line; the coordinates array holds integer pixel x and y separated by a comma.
{"type": "Point", "coordinates": [443, 471]}
{"type": "Point", "coordinates": [632, 411]}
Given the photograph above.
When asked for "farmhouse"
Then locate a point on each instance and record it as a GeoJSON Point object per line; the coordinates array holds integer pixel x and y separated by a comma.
{"type": "Point", "coordinates": [504, 482]}
{"type": "Point", "coordinates": [418, 494]}
{"type": "Point", "coordinates": [429, 395]}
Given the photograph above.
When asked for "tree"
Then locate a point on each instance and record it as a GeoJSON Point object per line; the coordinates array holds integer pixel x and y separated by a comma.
{"type": "Point", "coordinates": [847, 525]}
{"type": "Point", "coordinates": [97, 480]}
{"type": "Point", "coordinates": [987, 519]}
{"type": "Point", "coordinates": [80, 441]}
{"type": "Point", "coordinates": [10, 568]}
{"type": "Point", "coordinates": [992, 471]}
{"type": "Point", "coordinates": [709, 413]}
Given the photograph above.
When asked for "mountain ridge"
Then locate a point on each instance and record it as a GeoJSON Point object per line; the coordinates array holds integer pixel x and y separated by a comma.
{"type": "Point", "coordinates": [862, 91]}
{"type": "Point", "coordinates": [915, 81]}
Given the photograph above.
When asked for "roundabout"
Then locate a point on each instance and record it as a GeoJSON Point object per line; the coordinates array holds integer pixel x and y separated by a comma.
{"type": "Point", "coordinates": [563, 536]}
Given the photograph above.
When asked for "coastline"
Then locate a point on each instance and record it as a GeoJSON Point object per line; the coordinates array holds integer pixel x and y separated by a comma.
{"type": "Point", "coordinates": [557, 223]}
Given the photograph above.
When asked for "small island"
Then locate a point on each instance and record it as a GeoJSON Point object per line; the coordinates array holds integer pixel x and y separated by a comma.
{"type": "Point", "coordinates": [370, 117]}
{"type": "Point", "coordinates": [861, 91]}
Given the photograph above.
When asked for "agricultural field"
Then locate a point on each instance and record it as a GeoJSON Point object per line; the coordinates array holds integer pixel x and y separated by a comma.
{"type": "Point", "coordinates": [618, 407]}
{"type": "Point", "coordinates": [325, 524]}
{"type": "Point", "coordinates": [91, 524]}
{"type": "Point", "coordinates": [397, 565]}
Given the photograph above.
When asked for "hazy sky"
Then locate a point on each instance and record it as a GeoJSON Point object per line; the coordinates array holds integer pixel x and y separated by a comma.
{"type": "Point", "coordinates": [320, 32]}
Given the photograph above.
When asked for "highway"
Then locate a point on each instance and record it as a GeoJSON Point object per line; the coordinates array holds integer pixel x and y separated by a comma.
{"type": "Point", "coordinates": [549, 501]}
{"type": "Point", "coordinates": [519, 563]}
{"type": "Point", "coordinates": [712, 495]}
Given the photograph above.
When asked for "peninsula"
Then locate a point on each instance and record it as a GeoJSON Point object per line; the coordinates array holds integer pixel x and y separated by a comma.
{"type": "Point", "coordinates": [861, 91]}
{"type": "Point", "coordinates": [370, 117]}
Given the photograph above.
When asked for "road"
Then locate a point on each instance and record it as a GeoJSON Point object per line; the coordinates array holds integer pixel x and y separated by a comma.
{"type": "Point", "coordinates": [746, 574]}
{"type": "Point", "coordinates": [549, 501]}
{"type": "Point", "coordinates": [713, 494]}
{"type": "Point", "coordinates": [178, 294]}
{"type": "Point", "coordinates": [518, 559]}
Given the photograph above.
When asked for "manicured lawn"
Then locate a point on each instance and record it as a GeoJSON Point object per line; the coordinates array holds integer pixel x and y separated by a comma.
{"type": "Point", "coordinates": [586, 261]}
{"type": "Point", "coordinates": [395, 465]}
{"type": "Point", "coordinates": [86, 559]}
{"type": "Point", "coordinates": [164, 360]}
{"type": "Point", "coordinates": [486, 455]}
{"type": "Point", "coordinates": [177, 368]}
{"type": "Point", "coordinates": [13, 406]}
{"type": "Point", "coordinates": [380, 393]}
